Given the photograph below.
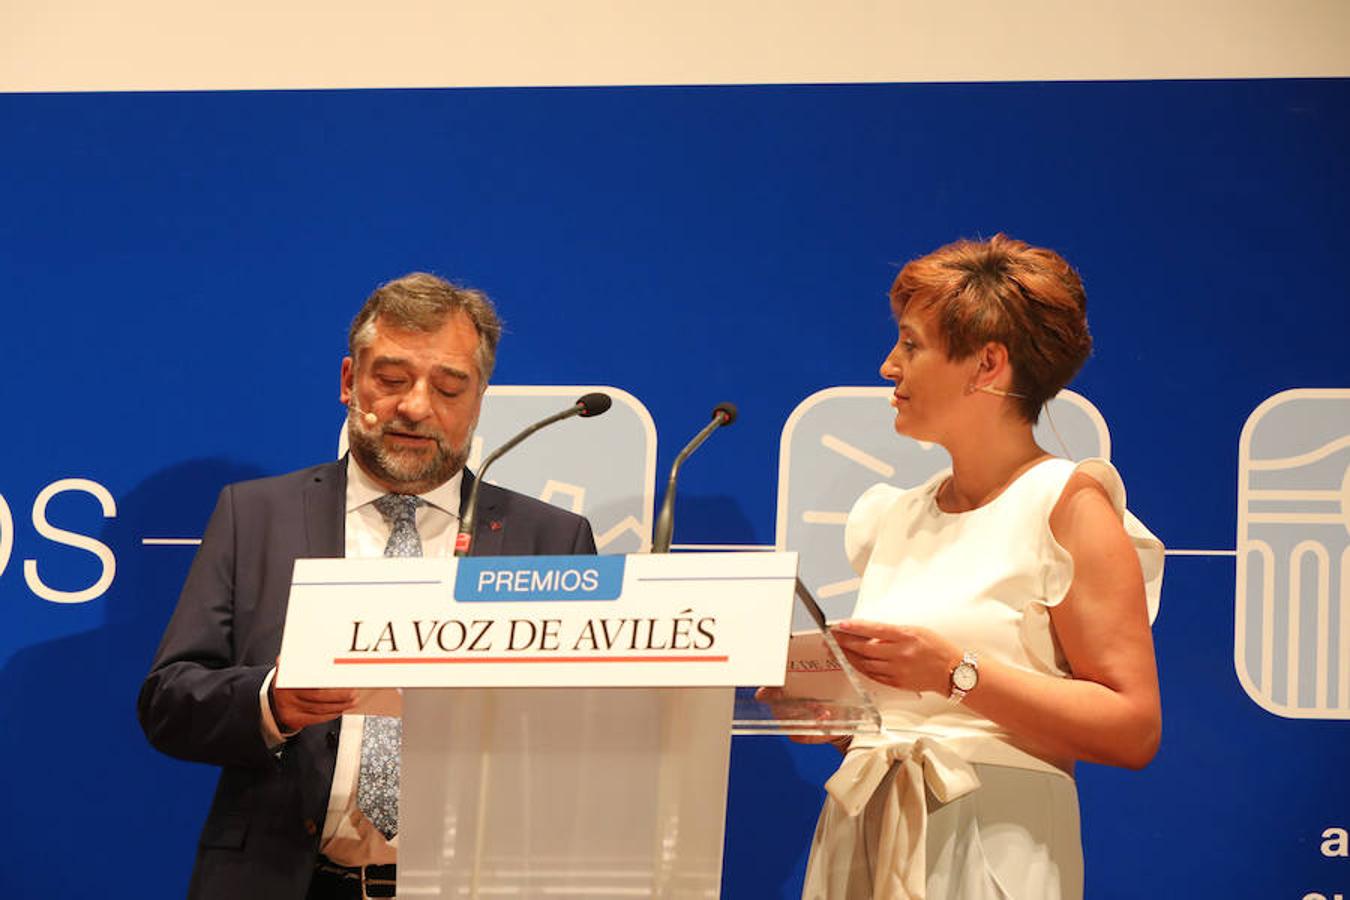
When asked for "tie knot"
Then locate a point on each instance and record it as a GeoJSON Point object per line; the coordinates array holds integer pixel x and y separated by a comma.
{"type": "Point", "coordinates": [399, 508]}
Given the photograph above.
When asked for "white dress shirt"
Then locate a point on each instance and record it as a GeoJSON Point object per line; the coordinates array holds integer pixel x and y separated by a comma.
{"type": "Point", "coordinates": [348, 837]}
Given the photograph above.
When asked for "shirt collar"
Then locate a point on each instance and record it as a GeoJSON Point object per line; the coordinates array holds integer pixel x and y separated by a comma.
{"type": "Point", "coordinates": [362, 489]}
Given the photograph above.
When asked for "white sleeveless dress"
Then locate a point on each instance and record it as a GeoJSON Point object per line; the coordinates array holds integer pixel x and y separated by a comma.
{"type": "Point", "coordinates": [944, 804]}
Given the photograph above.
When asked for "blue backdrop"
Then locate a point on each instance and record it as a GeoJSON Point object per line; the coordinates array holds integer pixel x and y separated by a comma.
{"type": "Point", "coordinates": [178, 271]}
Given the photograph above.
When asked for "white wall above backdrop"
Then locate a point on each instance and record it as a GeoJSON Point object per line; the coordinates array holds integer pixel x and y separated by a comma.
{"type": "Point", "coordinates": [86, 45]}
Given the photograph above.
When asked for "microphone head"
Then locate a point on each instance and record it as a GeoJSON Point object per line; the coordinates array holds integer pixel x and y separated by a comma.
{"type": "Point", "coordinates": [370, 419]}
{"type": "Point", "coordinates": [727, 411]}
{"type": "Point", "coordinates": [594, 404]}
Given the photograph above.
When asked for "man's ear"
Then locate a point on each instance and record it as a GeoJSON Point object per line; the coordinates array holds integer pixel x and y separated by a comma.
{"type": "Point", "coordinates": [347, 381]}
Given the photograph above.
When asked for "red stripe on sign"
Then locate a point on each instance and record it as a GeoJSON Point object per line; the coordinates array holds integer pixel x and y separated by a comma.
{"type": "Point", "coordinates": [419, 660]}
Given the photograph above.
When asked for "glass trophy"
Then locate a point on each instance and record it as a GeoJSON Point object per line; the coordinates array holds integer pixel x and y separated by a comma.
{"type": "Point", "coordinates": [822, 694]}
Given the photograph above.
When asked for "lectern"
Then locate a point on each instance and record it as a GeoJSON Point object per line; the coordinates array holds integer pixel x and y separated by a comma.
{"type": "Point", "coordinates": [567, 720]}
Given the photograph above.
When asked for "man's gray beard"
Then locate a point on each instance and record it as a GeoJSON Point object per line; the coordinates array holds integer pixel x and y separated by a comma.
{"type": "Point", "coordinates": [414, 473]}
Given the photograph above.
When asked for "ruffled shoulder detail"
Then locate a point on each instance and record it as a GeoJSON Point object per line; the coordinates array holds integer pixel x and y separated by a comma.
{"type": "Point", "coordinates": [866, 517]}
{"type": "Point", "coordinates": [1147, 546]}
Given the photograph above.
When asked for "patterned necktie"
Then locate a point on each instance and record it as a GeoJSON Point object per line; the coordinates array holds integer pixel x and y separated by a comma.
{"type": "Point", "coordinates": [400, 511]}
{"type": "Point", "coordinates": [382, 736]}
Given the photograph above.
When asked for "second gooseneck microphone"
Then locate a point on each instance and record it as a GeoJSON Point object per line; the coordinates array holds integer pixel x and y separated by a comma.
{"type": "Point", "coordinates": [722, 414]}
{"type": "Point", "coordinates": [586, 406]}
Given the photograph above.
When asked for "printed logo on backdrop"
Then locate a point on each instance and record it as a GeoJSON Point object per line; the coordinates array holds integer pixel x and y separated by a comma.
{"type": "Point", "coordinates": [602, 467]}
{"type": "Point", "coordinates": [107, 562]}
{"type": "Point", "coordinates": [1291, 643]}
{"type": "Point", "coordinates": [840, 441]}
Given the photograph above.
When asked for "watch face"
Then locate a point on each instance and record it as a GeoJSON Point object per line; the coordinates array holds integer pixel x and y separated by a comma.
{"type": "Point", "coordinates": [964, 677]}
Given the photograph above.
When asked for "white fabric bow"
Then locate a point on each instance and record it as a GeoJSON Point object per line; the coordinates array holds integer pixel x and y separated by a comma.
{"type": "Point", "coordinates": [899, 866]}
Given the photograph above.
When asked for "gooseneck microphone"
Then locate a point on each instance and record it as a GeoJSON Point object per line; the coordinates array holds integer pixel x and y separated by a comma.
{"type": "Point", "coordinates": [585, 407]}
{"type": "Point", "coordinates": [722, 414]}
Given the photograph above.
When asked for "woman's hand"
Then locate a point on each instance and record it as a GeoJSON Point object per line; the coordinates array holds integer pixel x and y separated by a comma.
{"type": "Point", "coordinates": [901, 656]}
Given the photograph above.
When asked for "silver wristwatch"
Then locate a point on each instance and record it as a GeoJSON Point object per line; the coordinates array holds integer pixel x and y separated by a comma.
{"type": "Point", "coordinates": [965, 676]}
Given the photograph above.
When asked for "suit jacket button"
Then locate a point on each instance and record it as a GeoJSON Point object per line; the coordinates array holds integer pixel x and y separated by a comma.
{"type": "Point", "coordinates": [311, 827]}
{"type": "Point", "coordinates": [331, 739]}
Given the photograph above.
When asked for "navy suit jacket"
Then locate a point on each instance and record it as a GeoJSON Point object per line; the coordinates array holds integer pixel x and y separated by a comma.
{"type": "Point", "coordinates": [200, 700]}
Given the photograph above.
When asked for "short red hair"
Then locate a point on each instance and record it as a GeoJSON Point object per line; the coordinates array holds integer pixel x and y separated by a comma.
{"type": "Point", "coordinates": [1029, 299]}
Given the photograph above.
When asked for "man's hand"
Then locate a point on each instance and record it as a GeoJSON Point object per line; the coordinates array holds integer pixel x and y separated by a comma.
{"type": "Point", "coordinates": [296, 708]}
{"type": "Point", "coordinates": [790, 709]}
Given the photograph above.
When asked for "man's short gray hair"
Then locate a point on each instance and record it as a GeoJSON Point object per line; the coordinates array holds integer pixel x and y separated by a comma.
{"type": "Point", "coordinates": [422, 302]}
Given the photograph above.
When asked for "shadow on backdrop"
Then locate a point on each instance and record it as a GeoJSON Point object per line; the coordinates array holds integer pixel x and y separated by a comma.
{"type": "Point", "coordinates": [77, 771]}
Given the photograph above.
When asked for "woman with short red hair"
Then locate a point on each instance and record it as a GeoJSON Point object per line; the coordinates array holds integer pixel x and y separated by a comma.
{"type": "Point", "coordinates": [1004, 609]}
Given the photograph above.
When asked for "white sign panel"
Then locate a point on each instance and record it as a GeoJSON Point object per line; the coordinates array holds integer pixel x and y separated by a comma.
{"type": "Point", "coordinates": [717, 619]}
{"type": "Point", "coordinates": [1292, 619]}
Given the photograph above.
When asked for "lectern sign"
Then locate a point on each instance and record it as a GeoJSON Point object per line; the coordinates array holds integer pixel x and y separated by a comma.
{"type": "Point", "coordinates": [539, 621]}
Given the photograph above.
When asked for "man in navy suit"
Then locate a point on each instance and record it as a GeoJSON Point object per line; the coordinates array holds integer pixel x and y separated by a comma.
{"type": "Point", "coordinates": [286, 822]}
